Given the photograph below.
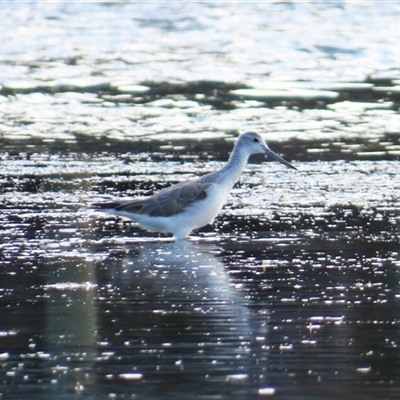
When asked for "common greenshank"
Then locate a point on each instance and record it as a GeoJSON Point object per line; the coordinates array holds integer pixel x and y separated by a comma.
{"type": "Point", "coordinates": [189, 205]}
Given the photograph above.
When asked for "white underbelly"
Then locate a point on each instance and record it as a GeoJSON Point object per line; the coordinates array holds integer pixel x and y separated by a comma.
{"type": "Point", "coordinates": [203, 212]}
{"type": "Point", "coordinates": [194, 216]}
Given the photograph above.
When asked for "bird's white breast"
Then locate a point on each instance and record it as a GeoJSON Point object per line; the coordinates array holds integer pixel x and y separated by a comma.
{"type": "Point", "coordinates": [206, 210]}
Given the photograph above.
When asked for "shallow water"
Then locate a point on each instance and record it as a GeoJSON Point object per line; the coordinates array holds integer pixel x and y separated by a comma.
{"type": "Point", "coordinates": [292, 292]}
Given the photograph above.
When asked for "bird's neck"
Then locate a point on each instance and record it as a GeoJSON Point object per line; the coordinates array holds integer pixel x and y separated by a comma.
{"type": "Point", "coordinates": [235, 165]}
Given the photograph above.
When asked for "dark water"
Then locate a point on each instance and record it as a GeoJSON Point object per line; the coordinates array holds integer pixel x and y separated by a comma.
{"type": "Point", "coordinates": [293, 291]}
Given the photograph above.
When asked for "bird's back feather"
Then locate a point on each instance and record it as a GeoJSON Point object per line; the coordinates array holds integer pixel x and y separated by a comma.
{"type": "Point", "coordinates": [167, 202]}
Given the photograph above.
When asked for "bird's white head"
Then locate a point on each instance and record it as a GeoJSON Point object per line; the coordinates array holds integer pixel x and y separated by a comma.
{"type": "Point", "coordinates": [253, 143]}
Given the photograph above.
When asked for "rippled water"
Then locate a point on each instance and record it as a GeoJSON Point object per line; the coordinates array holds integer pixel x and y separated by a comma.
{"type": "Point", "coordinates": [292, 293]}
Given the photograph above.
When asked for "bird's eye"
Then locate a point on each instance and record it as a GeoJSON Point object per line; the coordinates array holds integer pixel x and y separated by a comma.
{"type": "Point", "coordinates": [255, 140]}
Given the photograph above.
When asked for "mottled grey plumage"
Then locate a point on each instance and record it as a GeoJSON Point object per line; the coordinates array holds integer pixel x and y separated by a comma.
{"type": "Point", "coordinates": [169, 201]}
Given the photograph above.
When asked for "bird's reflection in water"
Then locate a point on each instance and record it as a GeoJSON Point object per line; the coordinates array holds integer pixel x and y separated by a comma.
{"type": "Point", "coordinates": [170, 313]}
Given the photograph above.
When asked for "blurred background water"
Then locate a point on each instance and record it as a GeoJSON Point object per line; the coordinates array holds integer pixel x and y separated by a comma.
{"type": "Point", "coordinates": [293, 291]}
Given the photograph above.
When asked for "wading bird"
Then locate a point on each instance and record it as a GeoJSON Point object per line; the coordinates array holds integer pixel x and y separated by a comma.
{"type": "Point", "coordinates": [185, 206]}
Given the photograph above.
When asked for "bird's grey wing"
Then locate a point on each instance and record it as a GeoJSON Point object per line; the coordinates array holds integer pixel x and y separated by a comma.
{"type": "Point", "coordinates": [169, 201]}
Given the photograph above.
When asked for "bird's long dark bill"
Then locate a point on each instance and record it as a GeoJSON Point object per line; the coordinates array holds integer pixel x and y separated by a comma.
{"type": "Point", "coordinates": [275, 157]}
